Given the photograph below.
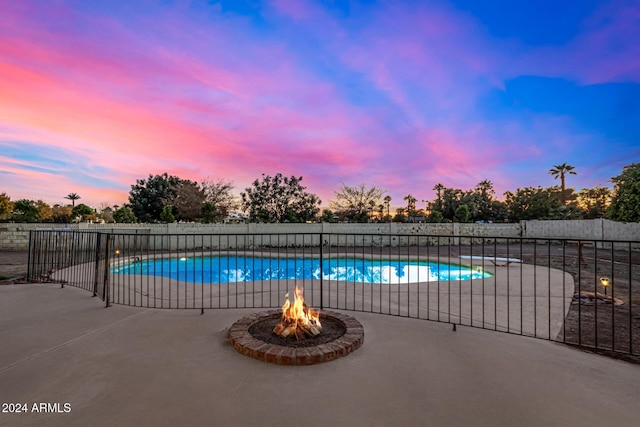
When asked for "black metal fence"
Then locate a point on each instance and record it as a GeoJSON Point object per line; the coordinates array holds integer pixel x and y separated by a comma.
{"type": "Point", "coordinates": [584, 293]}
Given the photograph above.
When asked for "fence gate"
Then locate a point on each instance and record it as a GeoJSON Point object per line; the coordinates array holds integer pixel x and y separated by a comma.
{"type": "Point", "coordinates": [69, 257]}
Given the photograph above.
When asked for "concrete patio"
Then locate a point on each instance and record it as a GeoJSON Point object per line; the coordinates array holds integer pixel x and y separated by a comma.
{"type": "Point", "coordinates": [133, 366]}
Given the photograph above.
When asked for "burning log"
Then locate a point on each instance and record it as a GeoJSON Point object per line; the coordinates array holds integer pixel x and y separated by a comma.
{"type": "Point", "coordinates": [287, 331]}
{"type": "Point", "coordinates": [315, 330]}
{"type": "Point", "coordinates": [280, 327]}
{"type": "Point", "coordinates": [297, 319]}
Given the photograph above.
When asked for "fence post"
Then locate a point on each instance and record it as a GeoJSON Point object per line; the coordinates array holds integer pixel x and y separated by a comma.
{"type": "Point", "coordinates": [30, 257]}
{"type": "Point", "coordinates": [97, 269]}
{"type": "Point", "coordinates": [105, 281]}
{"type": "Point", "coordinates": [321, 272]}
{"type": "Point", "coordinates": [60, 263]}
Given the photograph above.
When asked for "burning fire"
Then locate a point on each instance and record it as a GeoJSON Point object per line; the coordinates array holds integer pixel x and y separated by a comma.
{"type": "Point", "coordinates": [297, 319]}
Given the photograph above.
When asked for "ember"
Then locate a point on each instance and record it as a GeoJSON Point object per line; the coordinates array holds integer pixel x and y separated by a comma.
{"type": "Point", "coordinates": [297, 319]}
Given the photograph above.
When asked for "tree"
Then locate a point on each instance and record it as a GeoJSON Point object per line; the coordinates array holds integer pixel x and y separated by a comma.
{"type": "Point", "coordinates": [148, 197]}
{"type": "Point", "coordinates": [399, 216]}
{"type": "Point", "coordinates": [218, 195]}
{"type": "Point", "coordinates": [124, 215]}
{"type": "Point", "coordinates": [61, 214]}
{"type": "Point", "coordinates": [6, 207]}
{"type": "Point", "coordinates": [210, 213]}
{"type": "Point", "coordinates": [411, 207]}
{"type": "Point", "coordinates": [462, 214]}
{"type": "Point", "coordinates": [438, 205]}
{"type": "Point", "coordinates": [483, 200]}
{"type": "Point", "coordinates": [327, 216]}
{"type": "Point", "coordinates": [499, 211]}
{"type": "Point", "coordinates": [451, 198]}
{"type": "Point", "coordinates": [625, 205]}
{"type": "Point", "coordinates": [435, 216]}
{"type": "Point", "coordinates": [73, 197]}
{"type": "Point", "coordinates": [594, 201]}
{"type": "Point", "coordinates": [566, 212]}
{"type": "Point", "coordinates": [387, 205]}
{"type": "Point", "coordinates": [560, 171]}
{"type": "Point", "coordinates": [82, 211]}
{"type": "Point", "coordinates": [45, 213]}
{"type": "Point", "coordinates": [279, 199]}
{"type": "Point", "coordinates": [24, 211]}
{"type": "Point", "coordinates": [372, 206]}
{"type": "Point", "coordinates": [105, 213]}
{"type": "Point", "coordinates": [353, 203]}
{"type": "Point", "coordinates": [532, 203]}
{"type": "Point", "coordinates": [188, 201]}
{"type": "Point", "coordinates": [167, 214]}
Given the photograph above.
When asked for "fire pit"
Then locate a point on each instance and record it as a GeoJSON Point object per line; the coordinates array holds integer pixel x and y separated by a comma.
{"type": "Point", "coordinates": [296, 335]}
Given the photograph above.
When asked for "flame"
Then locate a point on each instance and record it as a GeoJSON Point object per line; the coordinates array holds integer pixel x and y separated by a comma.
{"type": "Point", "coordinates": [298, 313]}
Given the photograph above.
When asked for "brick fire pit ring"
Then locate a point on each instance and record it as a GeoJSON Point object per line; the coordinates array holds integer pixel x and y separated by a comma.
{"type": "Point", "coordinates": [244, 342]}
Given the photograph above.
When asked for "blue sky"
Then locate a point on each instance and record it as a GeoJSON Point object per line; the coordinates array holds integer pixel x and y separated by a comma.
{"type": "Point", "coordinates": [397, 94]}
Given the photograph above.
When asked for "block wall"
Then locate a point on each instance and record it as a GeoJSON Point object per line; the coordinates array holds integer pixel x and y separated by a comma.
{"type": "Point", "coordinates": [15, 237]}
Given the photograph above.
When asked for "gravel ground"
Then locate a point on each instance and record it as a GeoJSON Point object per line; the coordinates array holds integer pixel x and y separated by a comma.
{"type": "Point", "coordinates": [13, 264]}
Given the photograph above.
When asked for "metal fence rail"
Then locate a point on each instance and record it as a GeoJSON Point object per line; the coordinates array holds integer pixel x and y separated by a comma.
{"type": "Point", "coordinates": [545, 288]}
{"type": "Point", "coordinates": [68, 257]}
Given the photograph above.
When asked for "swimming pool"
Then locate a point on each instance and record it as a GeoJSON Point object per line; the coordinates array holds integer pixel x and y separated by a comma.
{"type": "Point", "coordinates": [224, 269]}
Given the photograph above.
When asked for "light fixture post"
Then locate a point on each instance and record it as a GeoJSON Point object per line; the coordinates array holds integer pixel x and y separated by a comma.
{"type": "Point", "coordinates": [605, 282]}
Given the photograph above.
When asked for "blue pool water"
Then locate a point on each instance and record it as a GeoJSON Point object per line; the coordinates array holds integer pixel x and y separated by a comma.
{"type": "Point", "coordinates": [244, 269]}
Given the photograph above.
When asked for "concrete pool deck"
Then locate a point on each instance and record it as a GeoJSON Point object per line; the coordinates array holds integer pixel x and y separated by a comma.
{"type": "Point", "coordinates": [133, 366]}
{"type": "Point", "coordinates": [523, 298]}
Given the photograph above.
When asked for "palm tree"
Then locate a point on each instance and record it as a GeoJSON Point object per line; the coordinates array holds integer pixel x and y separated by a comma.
{"type": "Point", "coordinates": [561, 171]}
{"type": "Point", "coordinates": [372, 205]}
{"type": "Point", "coordinates": [438, 188]}
{"type": "Point", "coordinates": [483, 196]}
{"type": "Point", "coordinates": [387, 203]}
{"type": "Point", "coordinates": [485, 187]}
{"type": "Point", "coordinates": [411, 206]}
{"type": "Point", "coordinates": [73, 197]}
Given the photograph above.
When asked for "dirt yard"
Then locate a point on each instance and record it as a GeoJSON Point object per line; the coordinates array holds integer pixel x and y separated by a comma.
{"type": "Point", "coordinates": [605, 326]}
{"type": "Point", "coordinates": [13, 264]}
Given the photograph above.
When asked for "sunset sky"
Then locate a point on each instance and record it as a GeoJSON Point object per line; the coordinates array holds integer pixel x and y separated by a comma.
{"type": "Point", "coordinates": [397, 94]}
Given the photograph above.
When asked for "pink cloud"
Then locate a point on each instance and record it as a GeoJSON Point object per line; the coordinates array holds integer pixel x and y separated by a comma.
{"type": "Point", "coordinates": [30, 185]}
{"type": "Point", "coordinates": [141, 135]}
{"type": "Point", "coordinates": [126, 98]}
